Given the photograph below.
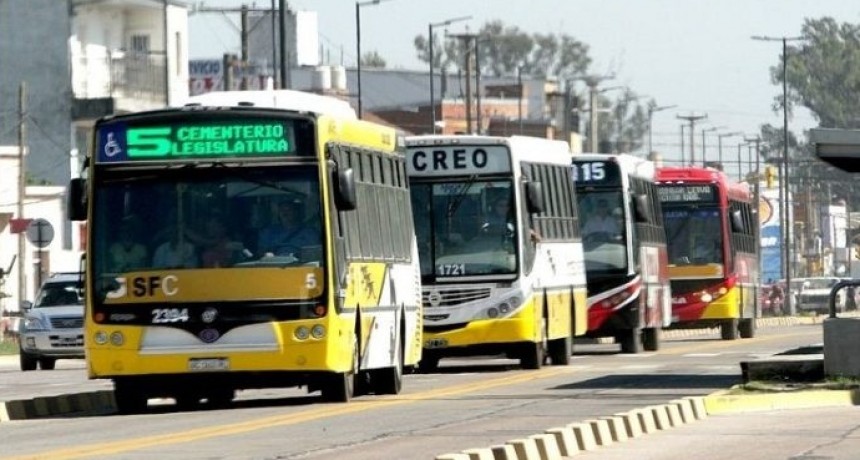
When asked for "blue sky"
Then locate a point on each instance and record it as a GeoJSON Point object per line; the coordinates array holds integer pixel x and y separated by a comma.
{"type": "Point", "coordinates": [696, 54]}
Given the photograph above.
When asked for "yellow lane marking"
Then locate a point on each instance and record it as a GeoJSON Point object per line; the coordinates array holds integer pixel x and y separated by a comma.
{"type": "Point", "coordinates": [116, 447]}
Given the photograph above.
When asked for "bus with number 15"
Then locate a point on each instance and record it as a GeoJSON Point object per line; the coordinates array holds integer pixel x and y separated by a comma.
{"type": "Point", "coordinates": [625, 249]}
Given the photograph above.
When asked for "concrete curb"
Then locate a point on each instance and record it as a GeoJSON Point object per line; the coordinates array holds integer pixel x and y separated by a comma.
{"type": "Point", "coordinates": [89, 403]}
{"type": "Point", "coordinates": [725, 402]}
{"type": "Point", "coordinates": [559, 442]}
{"type": "Point", "coordinates": [594, 433]}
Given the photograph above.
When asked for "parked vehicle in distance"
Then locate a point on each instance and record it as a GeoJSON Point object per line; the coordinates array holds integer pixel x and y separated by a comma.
{"type": "Point", "coordinates": [813, 295]}
{"type": "Point", "coordinates": [52, 328]}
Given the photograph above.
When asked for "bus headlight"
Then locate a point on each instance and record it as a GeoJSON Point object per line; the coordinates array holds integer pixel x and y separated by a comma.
{"type": "Point", "coordinates": [100, 337]}
{"type": "Point", "coordinates": [706, 297]}
{"type": "Point", "coordinates": [492, 312]}
{"type": "Point", "coordinates": [117, 339]}
{"type": "Point", "coordinates": [302, 333]}
{"type": "Point", "coordinates": [318, 331]}
{"type": "Point", "coordinates": [504, 308]}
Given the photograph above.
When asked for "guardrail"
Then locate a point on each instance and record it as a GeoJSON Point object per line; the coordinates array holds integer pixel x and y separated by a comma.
{"type": "Point", "coordinates": [831, 303]}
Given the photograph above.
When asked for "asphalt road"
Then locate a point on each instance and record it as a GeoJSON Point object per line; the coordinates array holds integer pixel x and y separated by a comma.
{"type": "Point", "coordinates": [469, 403]}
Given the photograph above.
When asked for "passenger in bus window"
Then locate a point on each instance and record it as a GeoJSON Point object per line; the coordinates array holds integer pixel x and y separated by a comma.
{"type": "Point", "coordinates": [601, 225]}
{"type": "Point", "coordinates": [127, 254]}
{"type": "Point", "coordinates": [499, 219]}
{"type": "Point", "coordinates": [289, 234]}
{"type": "Point", "coordinates": [177, 252]}
{"type": "Point", "coordinates": [218, 248]}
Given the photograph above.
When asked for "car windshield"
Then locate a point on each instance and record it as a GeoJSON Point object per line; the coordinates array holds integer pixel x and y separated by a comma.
{"type": "Point", "coordinates": [818, 283]}
{"type": "Point", "coordinates": [55, 294]}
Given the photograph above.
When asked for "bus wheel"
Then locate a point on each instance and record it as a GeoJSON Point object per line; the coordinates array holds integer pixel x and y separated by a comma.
{"type": "Point", "coordinates": [630, 340]}
{"type": "Point", "coordinates": [747, 328]}
{"type": "Point", "coordinates": [532, 356]}
{"type": "Point", "coordinates": [429, 363]}
{"type": "Point", "coordinates": [389, 381]}
{"type": "Point", "coordinates": [187, 400]}
{"type": "Point", "coordinates": [220, 397]}
{"type": "Point", "coordinates": [651, 338]}
{"type": "Point", "coordinates": [129, 398]}
{"type": "Point", "coordinates": [729, 329]}
{"type": "Point", "coordinates": [47, 364]}
{"type": "Point", "coordinates": [559, 351]}
{"type": "Point", "coordinates": [340, 386]}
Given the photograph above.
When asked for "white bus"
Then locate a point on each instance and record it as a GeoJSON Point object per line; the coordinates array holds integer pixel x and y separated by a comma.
{"type": "Point", "coordinates": [499, 246]}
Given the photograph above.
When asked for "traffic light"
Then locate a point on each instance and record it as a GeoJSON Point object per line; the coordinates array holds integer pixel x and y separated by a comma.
{"type": "Point", "coordinates": [769, 176]}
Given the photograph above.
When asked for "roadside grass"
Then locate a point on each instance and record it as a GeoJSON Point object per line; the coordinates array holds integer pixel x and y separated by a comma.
{"type": "Point", "coordinates": [8, 347]}
{"type": "Point", "coordinates": [758, 387]}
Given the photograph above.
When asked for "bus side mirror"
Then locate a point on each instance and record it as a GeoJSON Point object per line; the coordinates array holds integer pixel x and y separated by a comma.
{"type": "Point", "coordinates": [345, 190]}
{"type": "Point", "coordinates": [534, 197]}
{"type": "Point", "coordinates": [641, 209]}
{"type": "Point", "coordinates": [737, 222]}
{"type": "Point", "coordinates": [76, 204]}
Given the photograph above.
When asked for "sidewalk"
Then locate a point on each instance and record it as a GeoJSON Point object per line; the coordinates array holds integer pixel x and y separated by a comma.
{"type": "Point", "coordinates": [817, 433]}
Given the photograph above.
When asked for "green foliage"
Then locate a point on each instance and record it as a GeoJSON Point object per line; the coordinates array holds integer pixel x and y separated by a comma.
{"type": "Point", "coordinates": [824, 72]}
{"type": "Point", "coordinates": [503, 49]}
{"type": "Point", "coordinates": [8, 347]}
{"type": "Point", "coordinates": [373, 59]}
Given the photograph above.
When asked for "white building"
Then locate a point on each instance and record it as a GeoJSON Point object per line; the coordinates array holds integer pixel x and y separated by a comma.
{"type": "Point", "coordinates": [46, 202]}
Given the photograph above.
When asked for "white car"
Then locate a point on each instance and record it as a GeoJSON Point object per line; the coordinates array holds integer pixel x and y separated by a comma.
{"type": "Point", "coordinates": [52, 328]}
{"type": "Point", "coordinates": [814, 294]}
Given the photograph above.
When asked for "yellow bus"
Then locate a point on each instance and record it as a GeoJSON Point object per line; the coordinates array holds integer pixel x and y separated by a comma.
{"type": "Point", "coordinates": [248, 240]}
{"type": "Point", "coordinates": [502, 263]}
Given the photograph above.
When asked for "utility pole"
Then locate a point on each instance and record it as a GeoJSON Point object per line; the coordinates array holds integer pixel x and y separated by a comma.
{"type": "Point", "coordinates": [282, 36]}
{"type": "Point", "coordinates": [593, 81]}
{"type": "Point", "coordinates": [22, 186]}
{"type": "Point", "coordinates": [692, 119]}
{"type": "Point", "coordinates": [244, 30]}
{"type": "Point", "coordinates": [683, 152]}
{"type": "Point", "coordinates": [467, 45]}
{"type": "Point", "coordinates": [243, 85]}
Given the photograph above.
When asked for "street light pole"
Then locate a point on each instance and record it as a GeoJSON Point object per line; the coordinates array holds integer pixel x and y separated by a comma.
{"type": "Point", "coordinates": [692, 119]}
{"type": "Point", "coordinates": [651, 111]}
{"type": "Point", "coordinates": [358, 5]}
{"type": "Point", "coordinates": [430, 27]}
{"type": "Point", "coordinates": [720, 146]}
{"type": "Point", "coordinates": [707, 130]}
{"type": "Point", "coordinates": [784, 208]}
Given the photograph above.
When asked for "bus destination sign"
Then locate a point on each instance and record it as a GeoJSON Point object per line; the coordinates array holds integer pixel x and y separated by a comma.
{"type": "Point", "coordinates": [687, 194]}
{"type": "Point", "coordinates": [192, 139]}
{"type": "Point", "coordinates": [595, 173]}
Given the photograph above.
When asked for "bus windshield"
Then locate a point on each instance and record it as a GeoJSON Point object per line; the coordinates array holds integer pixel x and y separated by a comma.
{"type": "Point", "coordinates": [465, 228]}
{"type": "Point", "coordinates": [603, 235]}
{"type": "Point", "coordinates": [694, 235]}
{"type": "Point", "coordinates": [214, 218]}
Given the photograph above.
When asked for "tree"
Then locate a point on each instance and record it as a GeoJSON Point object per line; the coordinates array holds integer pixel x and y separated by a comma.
{"type": "Point", "coordinates": [824, 73]}
{"type": "Point", "coordinates": [373, 59]}
{"type": "Point", "coordinates": [505, 48]}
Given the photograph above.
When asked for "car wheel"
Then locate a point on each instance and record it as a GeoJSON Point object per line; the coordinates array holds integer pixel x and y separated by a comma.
{"type": "Point", "coordinates": [47, 364]}
{"type": "Point", "coordinates": [28, 361]}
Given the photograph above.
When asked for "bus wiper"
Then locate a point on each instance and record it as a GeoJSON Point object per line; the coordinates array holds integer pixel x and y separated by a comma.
{"type": "Point", "coordinates": [461, 195]}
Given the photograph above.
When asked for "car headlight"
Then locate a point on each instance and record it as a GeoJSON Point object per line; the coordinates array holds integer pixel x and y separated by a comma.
{"type": "Point", "coordinates": [34, 324]}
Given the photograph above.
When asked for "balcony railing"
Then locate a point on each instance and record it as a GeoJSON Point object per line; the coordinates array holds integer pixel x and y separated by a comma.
{"type": "Point", "coordinates": [129, 76]}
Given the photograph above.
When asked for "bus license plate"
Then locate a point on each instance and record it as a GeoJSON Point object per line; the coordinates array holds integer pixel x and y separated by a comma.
{"type": "Point", "coordinates": [208, 364]}
{"type": "Point", "coordinates": [436, 343]}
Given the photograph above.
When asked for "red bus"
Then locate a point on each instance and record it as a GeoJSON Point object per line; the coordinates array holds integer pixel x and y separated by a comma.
{"type": "Point", "coordinates": [711, 230]}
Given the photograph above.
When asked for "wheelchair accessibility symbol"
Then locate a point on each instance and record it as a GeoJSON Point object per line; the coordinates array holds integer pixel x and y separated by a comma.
{"type": "Point", "coordinates": [112, 147]}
